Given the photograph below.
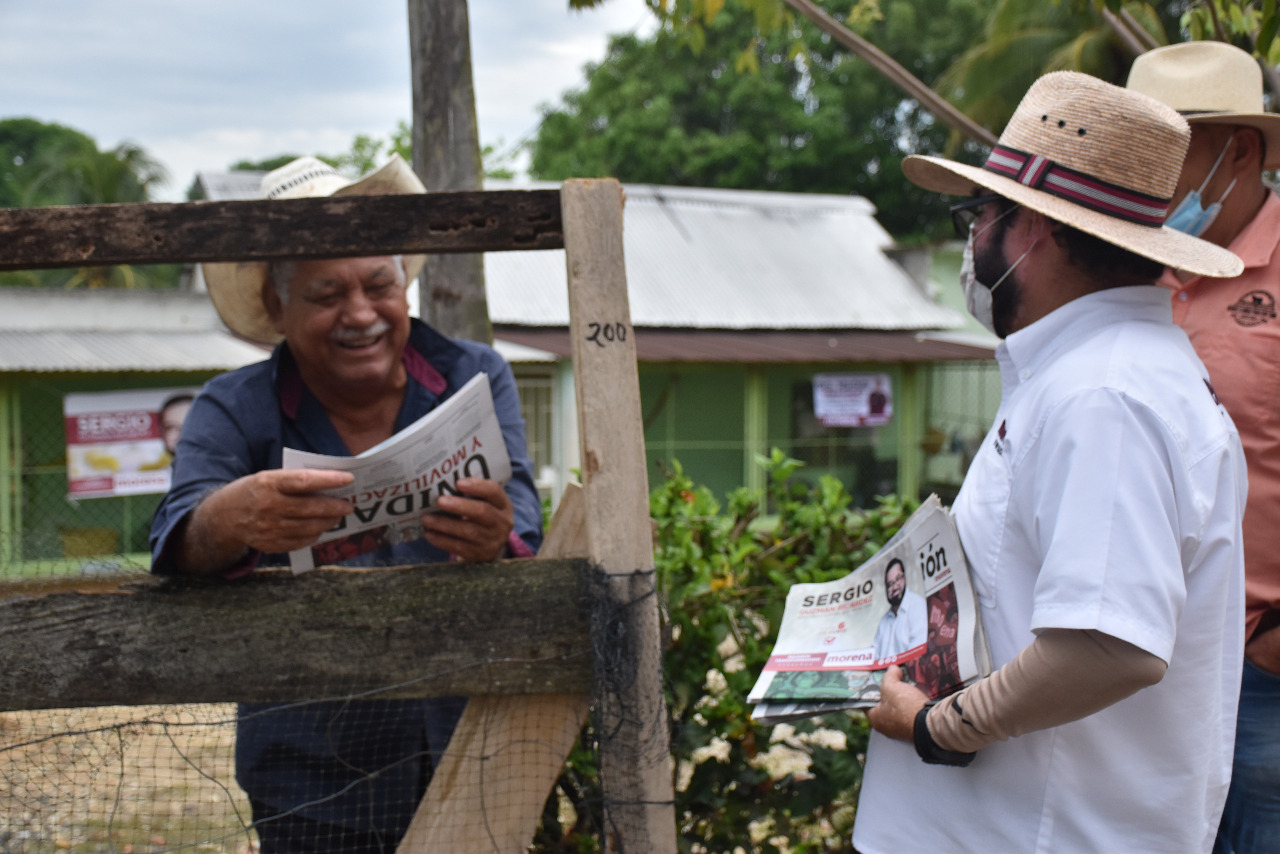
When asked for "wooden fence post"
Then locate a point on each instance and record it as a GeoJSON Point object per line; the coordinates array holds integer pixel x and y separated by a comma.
{"type": "Point", "coordinates": [632, 726]}
{"type": "Point", "coordinates": [505, 755]}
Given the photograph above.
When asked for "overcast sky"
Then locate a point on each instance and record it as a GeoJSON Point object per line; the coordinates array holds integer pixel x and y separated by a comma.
{"type": "Point", "coordinates": [200, 85]}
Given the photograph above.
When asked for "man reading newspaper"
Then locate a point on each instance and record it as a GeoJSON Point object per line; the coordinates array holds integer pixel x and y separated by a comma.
{"type": "Point", "coordinates": [1101, 517]}
{"type": "Point", "coordinates": [350, 369]}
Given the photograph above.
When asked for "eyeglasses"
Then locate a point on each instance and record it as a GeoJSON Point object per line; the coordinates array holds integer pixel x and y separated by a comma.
{"type": "Point", "coordinates": [965, 214]}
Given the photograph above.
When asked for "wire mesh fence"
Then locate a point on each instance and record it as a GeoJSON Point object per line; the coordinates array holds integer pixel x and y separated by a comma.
{"type": "Point", "coordinates": [340, 770]}
{"type": "Point", "coordinates": [336, 768]}
{"type": "Point", "coordinates": [126, 779]}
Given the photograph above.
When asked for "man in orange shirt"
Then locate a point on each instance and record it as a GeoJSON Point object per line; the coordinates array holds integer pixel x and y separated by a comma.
{"type": "Point", "coordinates": [1234, 327]}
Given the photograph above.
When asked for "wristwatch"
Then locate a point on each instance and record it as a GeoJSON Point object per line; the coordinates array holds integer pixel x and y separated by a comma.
{"type": "Point", "coordinates": [928, 749]}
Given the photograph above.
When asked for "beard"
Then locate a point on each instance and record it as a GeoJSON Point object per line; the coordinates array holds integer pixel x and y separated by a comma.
{"type": "Point", "coordinates": [989, 264]}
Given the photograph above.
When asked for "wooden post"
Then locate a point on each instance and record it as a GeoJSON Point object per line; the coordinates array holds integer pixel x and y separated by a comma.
{"type": "Point", "coordinates": [506, 752]}
{"type": "Point", "coordinates": [635, 760]}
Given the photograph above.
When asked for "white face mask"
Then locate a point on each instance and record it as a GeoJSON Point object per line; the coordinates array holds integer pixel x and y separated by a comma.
{"type": "Point", "coordinates": [977, 298]}
{"type": "Point", "coordinates": [1191, 216]}
{"type": "Point", "coordinates": [977, 294]}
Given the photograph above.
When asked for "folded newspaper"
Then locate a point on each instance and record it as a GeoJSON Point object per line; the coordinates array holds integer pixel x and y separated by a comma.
{"type": "Point", "coordinates": [912, 604]}
{"type": "Point", "coordinates": [398, 480]}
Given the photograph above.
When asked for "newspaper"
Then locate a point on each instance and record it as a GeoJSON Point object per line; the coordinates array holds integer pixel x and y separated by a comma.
{"type": "Point", "coordinates": [837, 638]}
{"type": "Point", "coordinates": [398, 480]}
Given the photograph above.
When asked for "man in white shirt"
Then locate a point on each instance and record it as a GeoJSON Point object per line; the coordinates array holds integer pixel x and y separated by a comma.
{"type": "Point", "coordinates": [1101, 517]}
{"type": "Point", "coordinates": [905, 625]}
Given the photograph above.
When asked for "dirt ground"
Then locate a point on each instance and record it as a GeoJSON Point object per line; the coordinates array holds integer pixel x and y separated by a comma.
{"type": "Point", "coordinates": [124, 780]}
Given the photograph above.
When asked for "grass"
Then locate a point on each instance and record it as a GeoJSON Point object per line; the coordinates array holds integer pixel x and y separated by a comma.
{"type": "Point", "coordinates": [121, 779]}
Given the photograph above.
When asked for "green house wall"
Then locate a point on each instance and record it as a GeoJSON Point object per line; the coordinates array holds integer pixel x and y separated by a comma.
{"type": "Point", "coordinates": [39, 523]}
{"type": "Point", "coordinates": [715, 419]}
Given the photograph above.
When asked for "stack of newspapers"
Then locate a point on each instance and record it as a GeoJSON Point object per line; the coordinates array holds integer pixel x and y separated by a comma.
{"type": "Point", "coordinates": [912, 605]}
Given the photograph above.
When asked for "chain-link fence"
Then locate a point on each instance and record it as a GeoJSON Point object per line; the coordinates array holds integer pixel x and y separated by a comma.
{"type": "Point", "coordinates": [342, 769]}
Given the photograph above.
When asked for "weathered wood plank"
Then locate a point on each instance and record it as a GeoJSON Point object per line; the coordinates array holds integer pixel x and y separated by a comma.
{"type": "Point", "coordinates": [506, 751]}
{"type": "Point", "coordinates": [635, 760]}
{"type": "Point", "coordinates": [515, 626]}
{"type": "Point", "coordinates": [333, 227]}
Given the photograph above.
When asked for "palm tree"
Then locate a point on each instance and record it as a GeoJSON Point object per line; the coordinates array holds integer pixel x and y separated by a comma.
{"type": "Point", "coordinates": [1028, 38]}
{"type": "Point", "coordinates": [76, 175]}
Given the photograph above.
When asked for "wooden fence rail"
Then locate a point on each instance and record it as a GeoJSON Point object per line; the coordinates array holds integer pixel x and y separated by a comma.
{"type": "Point", "coordinates": [333, 227]}
{"type": "Point", "coordinates": [510, 627]}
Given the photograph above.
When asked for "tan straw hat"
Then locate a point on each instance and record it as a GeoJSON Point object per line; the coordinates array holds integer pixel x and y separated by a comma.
{"type": "Point", "coordinates": [236, 288]}
{"type": "Point", "coordinates": [1094, 156]}
{"type": "Point", "coordinates": [1209, 83]}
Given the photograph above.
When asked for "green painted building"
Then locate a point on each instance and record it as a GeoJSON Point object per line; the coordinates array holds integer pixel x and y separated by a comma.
{"type": "Point", "coordinates": [56, 343]}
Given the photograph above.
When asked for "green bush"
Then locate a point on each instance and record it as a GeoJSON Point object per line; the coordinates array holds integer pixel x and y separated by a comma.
{"type": "Point", "coordinates": [724, 573]}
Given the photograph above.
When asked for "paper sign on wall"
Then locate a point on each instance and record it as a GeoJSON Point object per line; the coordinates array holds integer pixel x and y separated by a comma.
{"type": "Point", "coordinates": [122, 442]}
{"type": "Point", "coordinates": [852, 400]}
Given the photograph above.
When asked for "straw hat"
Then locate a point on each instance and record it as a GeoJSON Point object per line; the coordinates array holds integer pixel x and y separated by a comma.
{"type": "Point", "coordinates": [1094, 156]}
{"type": "Point", "coordinates": [1211, 83]}
{"type": "Point", "coordinates": [236, 288]}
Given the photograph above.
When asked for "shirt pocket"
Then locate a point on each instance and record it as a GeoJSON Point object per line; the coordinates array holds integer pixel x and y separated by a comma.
{"type": "Point", "coordinates": [981, 510]}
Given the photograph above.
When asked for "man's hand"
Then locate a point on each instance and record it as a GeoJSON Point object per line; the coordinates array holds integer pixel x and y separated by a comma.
{"type": "Point", "coordinates": [895, 714]}
{"type": "Point", "coordinates": [475, 527]}
{"type": "Point", "coordinates": [1264, 651]}
{"type": "Point", "coordinates": [270, 511]}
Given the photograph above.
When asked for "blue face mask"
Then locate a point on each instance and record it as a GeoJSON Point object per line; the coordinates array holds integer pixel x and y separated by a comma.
{"type": "Point", "coordinates": [1190, 216]}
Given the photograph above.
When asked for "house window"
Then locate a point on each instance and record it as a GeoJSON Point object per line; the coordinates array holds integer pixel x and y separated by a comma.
{"type": "Point", "coordinates": [536, 407]}
{"type": "Point", "coordinates": [864, 459]}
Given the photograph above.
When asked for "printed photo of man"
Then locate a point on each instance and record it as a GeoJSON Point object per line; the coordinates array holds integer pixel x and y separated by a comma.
{"type": "Point", "coordinates": [906, 624]}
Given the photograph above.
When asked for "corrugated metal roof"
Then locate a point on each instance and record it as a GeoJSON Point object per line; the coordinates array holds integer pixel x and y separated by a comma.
{"type": "Point", "coordinates": [768, 346]}
{"type": "Point", "coordinates": [717, 259]}
{"type": "Point", "coordinates": [519, 354]}
{"type": "Point", "coordinates": [104, 352]}
{"type": "Point", "coordinates": [106, 309]}
{"type": "Point", "coordinates": [116, 330]}
{"type": "Point", "coordinates": [730, 259]}
{"type": "Point", "coordinates": [230, 186]}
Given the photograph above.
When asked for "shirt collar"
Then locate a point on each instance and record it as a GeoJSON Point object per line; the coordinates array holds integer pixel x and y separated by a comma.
{"type": "Point", "coordinates": [1030, 348]}
{"type": "Point", "coordinates": [1256, 242]}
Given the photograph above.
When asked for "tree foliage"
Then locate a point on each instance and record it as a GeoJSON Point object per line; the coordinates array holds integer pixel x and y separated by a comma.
{"type": "Point", "coordinates": [1024, 39]}
{"type": "Point", "coordinates": [729, 105]}
{"type": "Point", "coordinates": [724, 572]}
{"type": "Point", "coordinates": [22, 143]}
{"type": "Point", "coordinates": [368, 152]}
{"type": "Point", "coordinates": [1021, 40]}
{"type": "Point", "coordinates": [49, 164]}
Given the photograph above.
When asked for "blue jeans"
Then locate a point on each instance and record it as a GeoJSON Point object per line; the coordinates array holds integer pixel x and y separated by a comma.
{"type": "Point", "coordinates": [1251, 820]}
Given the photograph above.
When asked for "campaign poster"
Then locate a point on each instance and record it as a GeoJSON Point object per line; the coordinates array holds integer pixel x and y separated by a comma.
{"type": "Point", "coordinates": [122, 442]}
{"type": "Point", "coordinates": [852, 400]}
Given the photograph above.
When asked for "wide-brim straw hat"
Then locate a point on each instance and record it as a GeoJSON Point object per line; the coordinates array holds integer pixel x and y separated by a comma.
{"type": "Point", "coordinates": [1092, 155]}
{"type": "Point", "coordinates": [1210, 83]}
{"type": "Point", "coordinates": [236, 288]}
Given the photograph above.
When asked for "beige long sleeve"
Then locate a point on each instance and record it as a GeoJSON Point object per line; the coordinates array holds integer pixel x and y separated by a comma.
{"type": "Point", "coordinates": [1063, 676]}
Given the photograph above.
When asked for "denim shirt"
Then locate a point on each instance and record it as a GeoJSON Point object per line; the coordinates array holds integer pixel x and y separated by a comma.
{"type": "Point", "coordinates": [314, 758]}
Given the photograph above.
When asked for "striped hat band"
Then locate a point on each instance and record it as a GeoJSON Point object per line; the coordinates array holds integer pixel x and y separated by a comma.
{"type": "Point", "coordinates": [1041, 173]}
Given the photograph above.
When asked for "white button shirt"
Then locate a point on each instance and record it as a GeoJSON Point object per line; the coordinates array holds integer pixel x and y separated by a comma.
{"type": "Point", "coordinates": [905, 630]}
{"type": "Point", "coordinates": [1107, 496]}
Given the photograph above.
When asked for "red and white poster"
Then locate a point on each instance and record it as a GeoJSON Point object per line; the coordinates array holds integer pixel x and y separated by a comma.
{"type": "Point", "coordinates": [852, 400]}
{"type": "Point", "coordinates": [122, 442]}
